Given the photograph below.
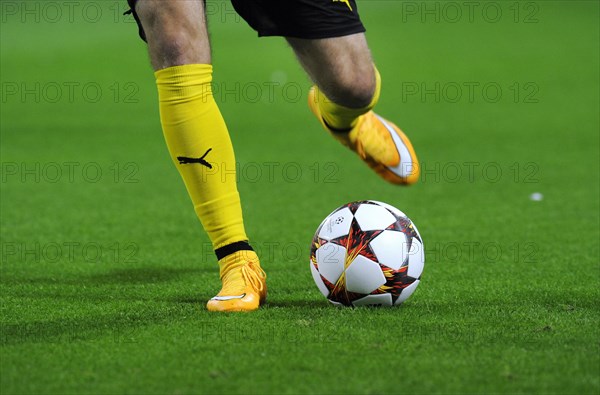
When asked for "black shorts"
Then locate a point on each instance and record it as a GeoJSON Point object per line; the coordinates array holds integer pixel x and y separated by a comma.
{"type": "Point", "coordinates": [310, 19]}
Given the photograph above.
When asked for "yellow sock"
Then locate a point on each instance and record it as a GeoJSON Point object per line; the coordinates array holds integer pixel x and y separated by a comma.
{"type": "Point", "coordinates": [344, 118]}
{"type": "Point", "coordinates": [200, 147]}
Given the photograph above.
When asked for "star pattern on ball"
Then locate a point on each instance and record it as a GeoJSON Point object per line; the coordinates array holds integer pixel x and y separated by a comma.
{"type": "Point", "coordinates": [357, 242]}
{"type": "Point", "coordinates": [404, 225]}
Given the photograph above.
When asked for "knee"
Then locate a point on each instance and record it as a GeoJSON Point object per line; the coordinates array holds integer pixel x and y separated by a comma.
{"type": "Point", "coordinates": [173, 49]}
{"type": "Point", "coordinates": [354, 88]}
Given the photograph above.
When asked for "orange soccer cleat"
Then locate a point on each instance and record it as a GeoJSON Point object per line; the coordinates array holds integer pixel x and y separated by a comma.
{"type": "Point", "coordinates": [244, 284]}
{"type": "Point", "coordinates": [379, 143]}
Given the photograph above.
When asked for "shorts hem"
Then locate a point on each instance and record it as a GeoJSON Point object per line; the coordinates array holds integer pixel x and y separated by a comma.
{"type": "Point", "coordinates": [312, 35]}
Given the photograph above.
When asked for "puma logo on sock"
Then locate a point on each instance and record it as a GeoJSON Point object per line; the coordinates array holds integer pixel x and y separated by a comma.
{"type": "Point", "coordinates": [183, 160]}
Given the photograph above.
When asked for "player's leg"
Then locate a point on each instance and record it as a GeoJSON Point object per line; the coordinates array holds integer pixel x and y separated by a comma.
{"type": "Point", "coordinates": [347, 88]}
{"type": "Point", "coordinates": [341, 67]}
{"type": "Point", "coordinates": [199, 142]}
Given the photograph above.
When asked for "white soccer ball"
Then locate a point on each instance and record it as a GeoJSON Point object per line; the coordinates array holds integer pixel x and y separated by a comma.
{"type": "Point", "coordinates": [367, 253]}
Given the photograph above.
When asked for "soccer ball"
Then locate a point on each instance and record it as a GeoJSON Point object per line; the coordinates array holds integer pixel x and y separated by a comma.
{"type": "Point", "coordinates": [367, 253]}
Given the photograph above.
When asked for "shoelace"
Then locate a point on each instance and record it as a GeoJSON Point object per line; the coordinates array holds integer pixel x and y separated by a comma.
{"type": "Point", "coordinates": [360, 138]}
{"type": "Point", "coordinates": [254, 276]}
{"type": "Point", "coordinates": [360, 150]}
{"type": "Point", "coordinates": [251, 274]}
{"type": "Point", "coordinates": [363, 137]}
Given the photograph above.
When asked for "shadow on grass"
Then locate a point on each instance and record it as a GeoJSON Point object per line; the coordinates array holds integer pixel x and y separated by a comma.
{"type": "Point", "coordinates": [125, 326]}
{"type": "Point", "coordinates": [297, 303]}
{"type": "Point", "coordinates": [138, 297]}
{"type": "Point", "coordinates": [147, 275]}
{"type": "Point", "coordinates": [119, 328]}
{"type": "Point", "coordinates": [138, 275]}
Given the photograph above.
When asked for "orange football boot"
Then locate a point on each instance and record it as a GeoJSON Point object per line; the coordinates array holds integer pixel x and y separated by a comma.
{"type": "Point", "coordinates": [244, 284]}
{"type": "Point", "coordinates": [379, 143]}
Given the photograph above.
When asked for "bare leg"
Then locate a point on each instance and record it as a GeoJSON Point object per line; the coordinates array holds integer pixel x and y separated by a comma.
{"type": "Point", "coordinates": [341, 67]}
{"type": "Point", "coordinates": [176, 32]}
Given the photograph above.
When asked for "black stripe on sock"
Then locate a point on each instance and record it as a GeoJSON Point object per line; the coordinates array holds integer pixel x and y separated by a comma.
{"type": "Point", "coordinates": [232, 248]}
{"type": "Point", "coordinates": [335, 130]}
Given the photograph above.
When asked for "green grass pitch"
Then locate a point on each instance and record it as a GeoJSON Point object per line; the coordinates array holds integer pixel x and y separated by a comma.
{"type": "Point", "coordinates": [105, 269]}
